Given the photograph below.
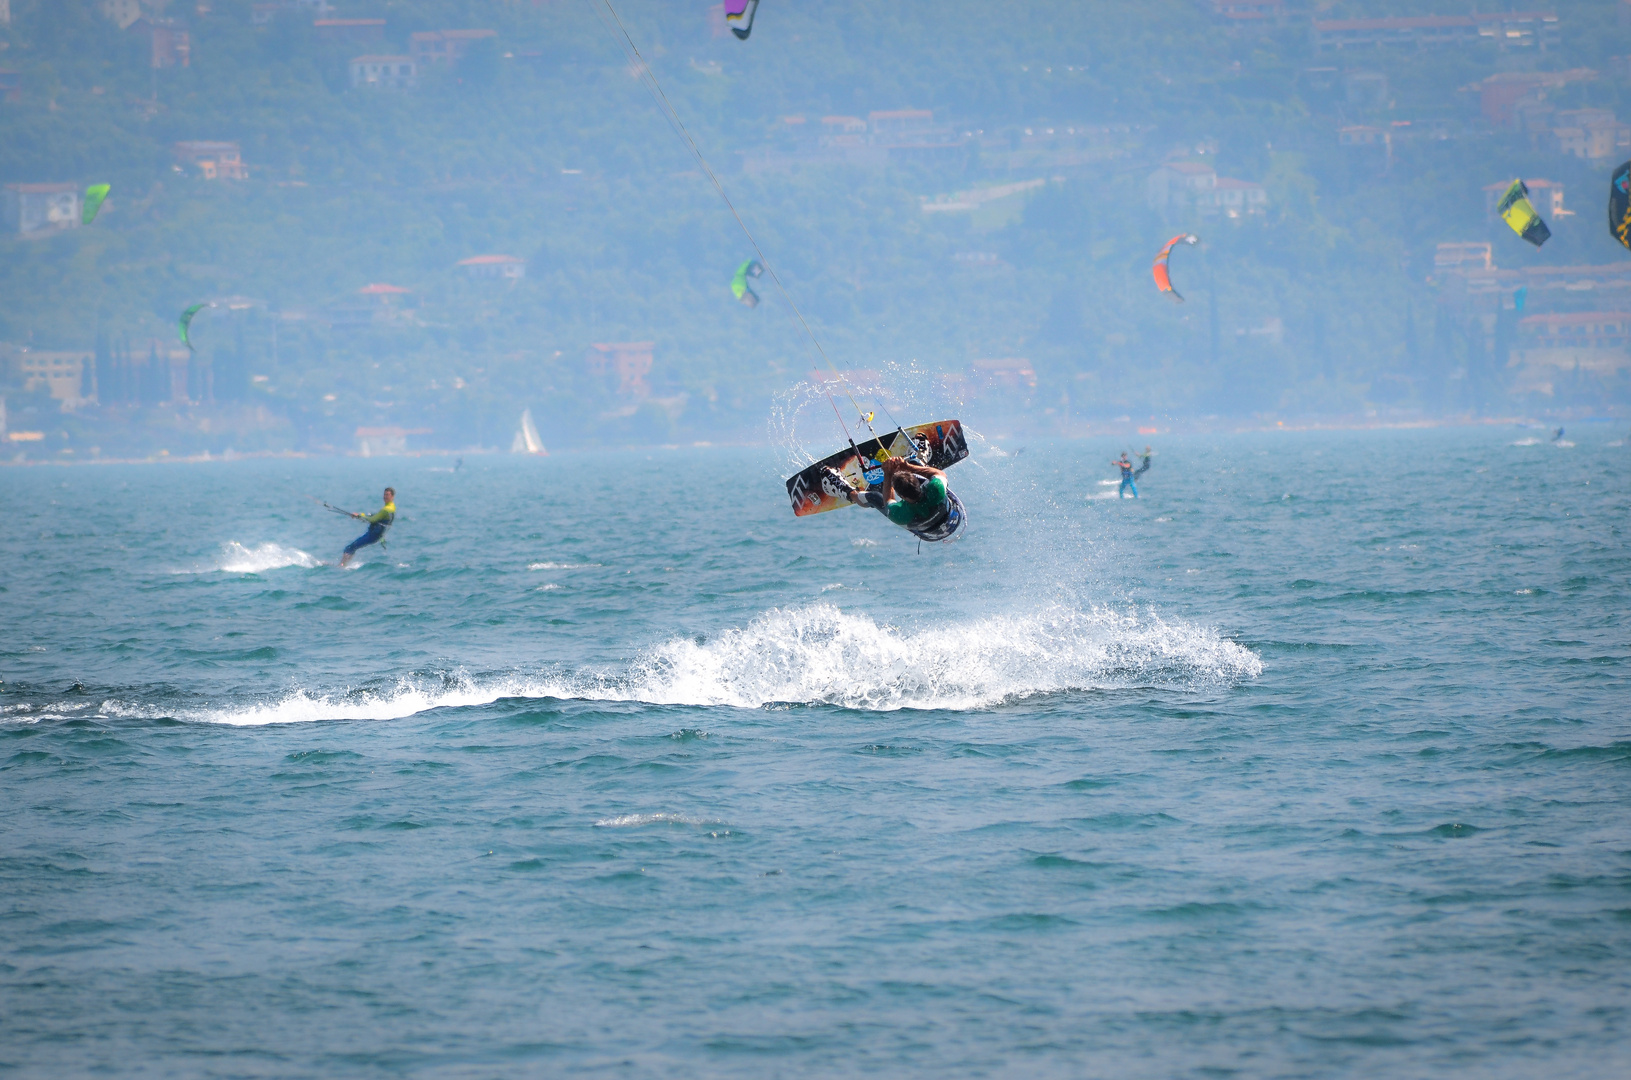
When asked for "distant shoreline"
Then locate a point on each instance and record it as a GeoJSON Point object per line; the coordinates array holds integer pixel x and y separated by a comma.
{"type": "Point", "coordinates": [1089, 431]}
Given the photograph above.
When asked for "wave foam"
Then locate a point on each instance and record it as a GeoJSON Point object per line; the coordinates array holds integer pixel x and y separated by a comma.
{"type": "Point", "coordinates": [237, 559]}
{"type": "Point", "coordinates": [819, 655]}
{"type": "Point", "coordinates": [625, 821]}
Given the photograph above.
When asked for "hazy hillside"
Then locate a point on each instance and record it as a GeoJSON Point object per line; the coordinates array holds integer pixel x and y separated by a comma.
{"type": "Point", "coordinates": [542, 144]}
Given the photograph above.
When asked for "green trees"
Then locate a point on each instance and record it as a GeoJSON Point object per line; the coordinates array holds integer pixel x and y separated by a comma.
{"type": "Point", "coordinates": [540, 144]}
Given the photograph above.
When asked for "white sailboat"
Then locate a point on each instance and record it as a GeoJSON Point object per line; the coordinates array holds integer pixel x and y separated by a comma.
{"type": "Point", "coordinates": [526, 439]}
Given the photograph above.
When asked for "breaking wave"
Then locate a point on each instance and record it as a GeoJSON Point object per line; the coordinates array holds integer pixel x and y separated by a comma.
{"type": "Point", "coordinates": [819, 655]}
{"type": "Point", "coordinates": [234, 558]}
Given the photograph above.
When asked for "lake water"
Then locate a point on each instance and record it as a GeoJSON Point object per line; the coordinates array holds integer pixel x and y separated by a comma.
{"type": "Point", "coordinates": [1315, 761]}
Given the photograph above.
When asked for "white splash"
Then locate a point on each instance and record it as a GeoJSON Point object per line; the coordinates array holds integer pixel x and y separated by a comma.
{"type": "Point", "coordinates": [237, 559]}
{"type": "Point", "coordinates": [624, 821]}
{"type": "Point", "coordinates": [819, 655]}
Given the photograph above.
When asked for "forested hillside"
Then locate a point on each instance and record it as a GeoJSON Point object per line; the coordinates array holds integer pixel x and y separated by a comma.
{"type": "Point", "coordinates": [541, 143]}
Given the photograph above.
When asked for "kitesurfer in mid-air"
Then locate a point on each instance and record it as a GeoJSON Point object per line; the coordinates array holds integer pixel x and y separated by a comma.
{"type": "Point", "coordinates": [378, 522]}
{"type": "Point", "coordinates": [1126, 468]}
{"type": "Point", "coordinates": [913, 496]}
{"type": "Point", "coordinates": [1144, 462]}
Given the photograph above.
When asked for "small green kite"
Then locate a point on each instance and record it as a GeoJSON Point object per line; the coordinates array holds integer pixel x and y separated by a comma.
{"type": "Point", "coordinates": [187, 321]}
{"type": "Point", "coordinates": [94, 196]}
{"type": "Point", "coordinates": [739, 283]}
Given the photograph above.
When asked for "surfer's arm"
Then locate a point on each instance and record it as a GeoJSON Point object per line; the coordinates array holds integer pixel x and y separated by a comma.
{"type": "Point", "coordinates": [903, 465]}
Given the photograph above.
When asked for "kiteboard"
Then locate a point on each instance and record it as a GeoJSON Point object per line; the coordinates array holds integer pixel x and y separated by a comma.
{"type": "Point", "coordinates": [939, 445]}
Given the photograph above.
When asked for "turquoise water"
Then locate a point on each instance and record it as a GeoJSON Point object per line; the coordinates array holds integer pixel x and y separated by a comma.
{"type": "Point", "coordinates": [1315, 761]}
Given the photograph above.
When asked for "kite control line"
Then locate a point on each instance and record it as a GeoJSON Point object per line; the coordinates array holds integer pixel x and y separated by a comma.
{"type": "Point", "coordinates": [648, 79]}
{"type": "Point", "coordinates": [335, 509]}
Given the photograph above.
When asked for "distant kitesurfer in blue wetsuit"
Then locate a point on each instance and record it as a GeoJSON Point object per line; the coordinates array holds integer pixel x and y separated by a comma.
{"type": "Point", "coordinates": [378, 522]}
{"type": "Point", "coordinates": [1126, 468]}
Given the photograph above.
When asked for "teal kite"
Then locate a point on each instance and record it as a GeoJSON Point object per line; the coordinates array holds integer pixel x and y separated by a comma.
{"type": "Point", "coordinates": [94, 196]}
{"type": "Point", "coordinates": [739, 283]}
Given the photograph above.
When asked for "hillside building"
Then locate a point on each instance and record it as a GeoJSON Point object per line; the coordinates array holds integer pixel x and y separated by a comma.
{"type": "Point", "coordinates": [61, 374]}
{"type": "Point", "coordinates": [628, 361]}
{"type": "Point", "coordinates": [350, 31]}
{"type": "Point", "coordinates": [40, 209]}
{"type": "Point", "coordinates": [1591, 134]}
{"type": "Point", "coordinates": [1593, 343]}
{"type": "Point", "coordinates": [169, 43]}
{"type": "Point", "coordinates": [1246, 10]}
{"type": "Point", "coordinates": [1462, 257]}
{"type": "Point", "coordinates": [212, 160]}
{"type": "Point", "coordinates": [384, 72]}
{"type": "Point", "coordinates": [1505, 95]}
{"type": "Point", "coordinates": [121, 12]}
{"type": "Point", "coordinates": [489, 267]}
{"type": "Point", "coordinates": [1506, 31]}
{"type": "Point", "coordinates": [444, 46]}
{"type": "Point", "coordinates": [1194, 185]}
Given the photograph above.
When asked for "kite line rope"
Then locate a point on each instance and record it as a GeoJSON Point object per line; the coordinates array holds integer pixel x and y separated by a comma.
{"type": "Point", "coordinates": [648, 79]}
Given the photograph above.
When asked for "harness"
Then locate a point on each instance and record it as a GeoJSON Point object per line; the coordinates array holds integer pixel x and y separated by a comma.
{"type": "Point", "coordinates": [944, 524]}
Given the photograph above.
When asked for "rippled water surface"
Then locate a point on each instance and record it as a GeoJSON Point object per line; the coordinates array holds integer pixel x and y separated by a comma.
{"type": "Point", "coordinates": [1314, 762]}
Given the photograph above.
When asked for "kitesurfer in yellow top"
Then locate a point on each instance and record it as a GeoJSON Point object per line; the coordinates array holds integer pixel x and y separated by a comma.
{"type": "Point", "coordinates": [378, 522]}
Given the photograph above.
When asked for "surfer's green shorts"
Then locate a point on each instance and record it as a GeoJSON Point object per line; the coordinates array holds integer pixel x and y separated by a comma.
{"type": "Point", "coordinates": [908, 514]}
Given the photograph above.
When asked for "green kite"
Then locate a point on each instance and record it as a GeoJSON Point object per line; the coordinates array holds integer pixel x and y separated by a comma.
{"type": "Point", "coordinates": [739, 283]}
{"type": "Point", "coordinates": [1520, 213]}
{"type": "Point", "coordinates": [94, 196]}
{"type": "Point", "coordinates": [187, 322]}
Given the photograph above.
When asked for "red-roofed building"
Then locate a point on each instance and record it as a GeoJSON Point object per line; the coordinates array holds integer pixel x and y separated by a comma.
{"type": "Point", "coordinates": [494, 266]}
{"type": "Point", "coordinates": [385, 294]}
{"type": "Point", "coordinates": [444, 46]}
{"type": "Point", "coordinates": [1500, 95]}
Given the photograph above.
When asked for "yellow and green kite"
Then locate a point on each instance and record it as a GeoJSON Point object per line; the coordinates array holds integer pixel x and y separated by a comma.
{"type": "Point", "coordinates": [1520, 213]}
